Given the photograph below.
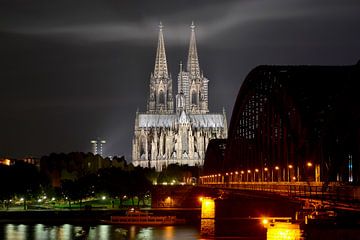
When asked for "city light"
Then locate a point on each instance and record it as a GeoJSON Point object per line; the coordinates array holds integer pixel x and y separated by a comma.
{"type": "Point", "coordinates": [309, 164]}
{"type": "Point", "coordinates": [103, 197]}
{"type": "Point", "coordinates": [265, 221]}
{"type": "Point", "coordinates": [201, 199]}
{"type": "Point", "coordinates": [277, 168]}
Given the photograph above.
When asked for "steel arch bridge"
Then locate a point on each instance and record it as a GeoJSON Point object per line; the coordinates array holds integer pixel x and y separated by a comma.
{"type": "Point", "coordinates": [293, 123]}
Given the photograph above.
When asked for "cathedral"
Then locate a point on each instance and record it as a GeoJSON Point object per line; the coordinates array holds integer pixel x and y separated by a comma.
{"type": "Point", "coordinates": [176, 130]}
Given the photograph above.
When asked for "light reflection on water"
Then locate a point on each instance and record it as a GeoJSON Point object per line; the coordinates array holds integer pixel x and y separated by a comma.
{"type": "Point", "coordinates": [98, 232]}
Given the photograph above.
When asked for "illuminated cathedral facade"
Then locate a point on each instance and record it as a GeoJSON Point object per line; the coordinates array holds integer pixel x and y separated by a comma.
{"type": "Point", "coordinates": [176, 130]}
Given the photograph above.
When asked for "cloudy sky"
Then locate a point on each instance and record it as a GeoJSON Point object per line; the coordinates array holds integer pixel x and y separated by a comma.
{"type": "Point", "coordinates": [71, 71]}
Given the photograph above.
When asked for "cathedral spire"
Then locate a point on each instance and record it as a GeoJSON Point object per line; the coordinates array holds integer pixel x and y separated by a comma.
{"type": "Point", "coordinates": [193, 61]}
{"type": "Point", "coordinates": [161, 69]}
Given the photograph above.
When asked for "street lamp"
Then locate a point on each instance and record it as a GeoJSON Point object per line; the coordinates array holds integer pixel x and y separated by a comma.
{"type": "Point", "coordinates": [277, 173]}
{"type": "Point", "coordinates": [289, 167]}
{"type": "Point", "coordinates": [247, 175]}
{"type": "Point", "coordinates": [242, 174]}
{"type": "Point", "coordinates": [256, 171]}
{"type": "Point", "coordinates": [266, 170]}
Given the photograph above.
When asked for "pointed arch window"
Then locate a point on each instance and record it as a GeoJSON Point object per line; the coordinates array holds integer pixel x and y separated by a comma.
{"type": "Point", "coordinates": [194, 98]}
{"type": "Point", "coordinates": [161, 97]}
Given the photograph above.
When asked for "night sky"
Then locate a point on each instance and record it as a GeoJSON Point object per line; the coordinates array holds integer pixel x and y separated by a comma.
{"type": "Point", "coordinates": [71, 71]}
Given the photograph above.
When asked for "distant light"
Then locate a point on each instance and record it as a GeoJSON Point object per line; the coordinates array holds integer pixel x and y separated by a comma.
{"type": "Point", "coordinates": [276, 168]}
{"type": "Point", "coordinates": [266, 169]}
{"type": "Point", "coordinates": [256, 170]}
{"type": "Point", "coordinates": [249, 171]}
{"type": "Point", "coordinates": [201, 199]}
{"type": "Point", "coordinates": [290, 166]}
{"type": "Point", "coordinates": [53, 199]}
{"type": "Point", "coordinates": [39, 200]}
{"type": "Point", "coordinates": [21, 199]}
{"type": "Point", "coordinates": [309, 164]}
{"type": "Point", "coordinates": [182, 183]}
{"type": "Point", "coordinates": [242, 172]}
{"type": "Point", "coordinates": [294, 178]}
{"type": "Point", "coordinates": [165, 183]}
{"type": "Point", "coordinates": [103, 197]}
{"type": "Point", "coordinates": [44, 197]}
{"type": "Point", "coordinates": [265, 221]}
{"type": "Point", "coordinates": [236, 172]}
{"type": "Point", "coordinates": [172, 183]}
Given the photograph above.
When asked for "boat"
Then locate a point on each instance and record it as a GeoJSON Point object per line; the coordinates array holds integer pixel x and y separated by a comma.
{"type": "Point", "coordinates": [135, 217]}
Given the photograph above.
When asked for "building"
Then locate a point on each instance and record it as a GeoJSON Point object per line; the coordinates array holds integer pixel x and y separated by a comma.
{"type": "Point", "coordinates": [97, 146]}
{"type": "Point", "coordinates": [170, 133]}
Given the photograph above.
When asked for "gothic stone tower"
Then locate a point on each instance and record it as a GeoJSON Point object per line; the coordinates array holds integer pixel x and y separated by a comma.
{"type": "Point", "coordinates": [160, 99]}
{"type": "Point", "coordinates": [163, 136]}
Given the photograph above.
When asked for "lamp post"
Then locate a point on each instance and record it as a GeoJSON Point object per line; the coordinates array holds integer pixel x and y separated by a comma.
{"type": "Point", "coordinates": [309, 166]}
{"type": "Point", "coordinates": [266, 171]}
{"type": "Point", "coordinates": [256, 173]}
{"type": "Point", "coordinates": [277, 173]}
{"type": "Point", "coordinates": [289, 167]}
{"type": "Point", "coordinates": [241, 176]}
{"type": "Point", "coordinates": [247, 175]}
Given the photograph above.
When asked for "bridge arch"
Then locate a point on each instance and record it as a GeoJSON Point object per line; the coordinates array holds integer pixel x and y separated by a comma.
{"type": "Point", "coordinates": [292, 115]}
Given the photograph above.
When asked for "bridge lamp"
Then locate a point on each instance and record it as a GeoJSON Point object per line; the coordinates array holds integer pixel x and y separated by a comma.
{"type": "Point", "coordinates": [309, 164]}
{"type": "Point", "coordinates": [249, 171]}
{"type": "Point", "coordinates": [264, 221]}
{"type": "Point", "coordinates": [236, 172]}
{"type": "Point", "coordinates": [272, 173]}
{"type": "Point", "coordinates": [266, 169]}
{"type": "Point", "coordinates": [242, 172]}
{"type": "Point", "coordinates": [289, 167]}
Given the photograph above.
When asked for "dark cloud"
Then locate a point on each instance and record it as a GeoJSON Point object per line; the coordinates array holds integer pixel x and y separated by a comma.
{"type": "Point", "coordinates": [75, 70]}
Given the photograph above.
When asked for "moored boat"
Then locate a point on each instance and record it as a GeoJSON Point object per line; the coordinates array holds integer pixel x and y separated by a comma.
{"type": "Point", "coordinates": [143, 218]}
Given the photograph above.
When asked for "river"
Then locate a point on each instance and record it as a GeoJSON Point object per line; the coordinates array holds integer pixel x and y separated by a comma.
{"type": "Point", "coordinates": [96, 232]}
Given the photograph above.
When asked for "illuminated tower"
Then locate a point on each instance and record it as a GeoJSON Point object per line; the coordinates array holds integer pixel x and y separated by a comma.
{"type": "Point", "coordinates": [160, 98]}
{"type": "Point", "coordinates": [97, 146]}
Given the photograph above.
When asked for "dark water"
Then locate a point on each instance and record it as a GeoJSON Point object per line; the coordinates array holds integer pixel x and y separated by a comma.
{"type": "Point", "coordinates": [97, 232]}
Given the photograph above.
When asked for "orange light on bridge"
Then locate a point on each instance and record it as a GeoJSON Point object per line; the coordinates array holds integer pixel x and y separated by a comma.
{"type": "Point", "coordinates": [201, 199]}
{"type": "Point", "coordinates": [264, 221]}
{"type": "Point", "coordinates": [277, 168]}
{"type": "Point", "coordinates": [309, 164]}
{"type": "Point", "coordinates": [290, 166]}
{"type": "Point", "coordinates": [236, 172]}
{"type": "Point", "coordinates": [266, 169]}
{"type": "Point", "coordinates": [256, 170]}
{"type": "Point", "coordinates": [242, 172]}
{"type": "Point", "coordinates": [249, 171]}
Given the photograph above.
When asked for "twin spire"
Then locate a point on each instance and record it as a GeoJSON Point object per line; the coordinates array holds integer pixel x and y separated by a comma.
{"type": "Point", "coordinates": [161, 69]}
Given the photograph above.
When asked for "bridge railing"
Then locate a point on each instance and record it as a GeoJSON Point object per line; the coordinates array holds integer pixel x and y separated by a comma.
{"type": "Point", "coordinates": [312, 190]}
